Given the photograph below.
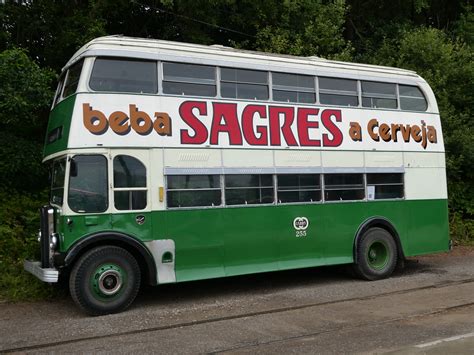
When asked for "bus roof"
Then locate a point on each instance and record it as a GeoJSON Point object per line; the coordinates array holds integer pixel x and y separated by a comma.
{"type": "Point", "coordinates": [121, 46]}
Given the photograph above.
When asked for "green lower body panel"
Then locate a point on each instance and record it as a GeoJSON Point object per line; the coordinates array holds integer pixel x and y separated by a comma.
{"type": "Point", "coordinates": [217, 242]}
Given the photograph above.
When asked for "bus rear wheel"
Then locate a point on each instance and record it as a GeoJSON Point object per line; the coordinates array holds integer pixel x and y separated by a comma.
{"type": "Point", "coordinates": [376, 255]}
{"type": "Point", "coordinates": [105, 280]}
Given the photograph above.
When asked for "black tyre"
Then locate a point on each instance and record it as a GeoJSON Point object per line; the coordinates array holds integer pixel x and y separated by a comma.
{"type": "Point", "coordinates": [105, 280]}
{"type": "Point", "coordinates": [376, 255]}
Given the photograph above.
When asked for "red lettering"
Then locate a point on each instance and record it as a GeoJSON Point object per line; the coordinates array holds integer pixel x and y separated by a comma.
{"type": "Point", "coordinates": [289, 116]}
{"type": "Point", "coordinates": [247, 125]}
{"type": "Point", "coordinates": [336, 133]}
{"type": "Point", "coordinates": [200, 131]}
{"type": "Point", "coordinates": [304, 125]}
{"type": "Point", "coordinates": [227, 113]}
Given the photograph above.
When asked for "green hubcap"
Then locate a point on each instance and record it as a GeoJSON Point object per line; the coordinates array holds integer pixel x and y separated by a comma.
{"type": "Point", "coordinates": [107, 280]}
{"type": "Point", "coordinates": [377, 255]}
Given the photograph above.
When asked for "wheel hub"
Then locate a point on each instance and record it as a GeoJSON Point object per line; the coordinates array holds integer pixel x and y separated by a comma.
{"type": "Point", "coordinates": [107, 280]}
{"type": "Point", "coordinates": [377, 255]}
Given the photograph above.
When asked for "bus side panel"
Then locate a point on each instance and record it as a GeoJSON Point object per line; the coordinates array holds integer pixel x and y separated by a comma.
{"type": "Point", "coordinates": [59, 124]}
{"type": "Point", "coordinates": [344, 219]}
{"type": "Point", "coordinates": [199, 241]}
{"type": "Point", "coordinates": [428, 227]}
{"type": "Point", "coordinates": [218, 242]}
{"type": "Point", "coordinates": [301, 246]}
{"type": "Point", "coordinates": [250, 240]}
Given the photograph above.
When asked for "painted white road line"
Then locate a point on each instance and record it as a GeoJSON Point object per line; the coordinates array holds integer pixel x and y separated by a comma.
{"type": "Point", "coordinates": [436, 342]}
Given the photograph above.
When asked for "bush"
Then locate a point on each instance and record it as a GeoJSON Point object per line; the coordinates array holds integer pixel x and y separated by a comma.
{"type": "Point", "coordinates": [461, 229]}
{"type": "Point", "coordinates": [19, 223]}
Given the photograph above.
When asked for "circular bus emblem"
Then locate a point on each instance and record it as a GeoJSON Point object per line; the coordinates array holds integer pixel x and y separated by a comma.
{"type": "Point", "coordinates": [140, 219]}
{"type": "Point", "coordinates": [300, 223]}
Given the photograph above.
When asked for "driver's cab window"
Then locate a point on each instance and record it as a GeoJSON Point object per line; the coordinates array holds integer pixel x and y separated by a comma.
{"type": "Point", "coordinates": [130, 190]}
{"type": "Point", "coordinates": [88, 184]}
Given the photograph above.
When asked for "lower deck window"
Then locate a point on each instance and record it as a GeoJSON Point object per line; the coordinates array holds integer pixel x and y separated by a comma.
{"type": "Point", "coordinates": [339, 187]}
{"type": "Point", "coordinates": [193, 190]}
{"type": "Point", "coordinates": [384, 186]}
{"type": "Point", "coordinates": [130, 192]}
{"type": "Point", "coordinates": [299, 188]}
{"type": "Point", "coordinates": [248, 189]}
{"type": "Point", "coordinates": [254, 189]}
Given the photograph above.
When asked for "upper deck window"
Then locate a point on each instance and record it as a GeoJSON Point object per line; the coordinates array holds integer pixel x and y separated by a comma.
{"type": "Point", "coordinates": [124, 75]}
{"type": "Point", "coordinates": [293, 88]}
{"type": "Point", "coordinates": [189, 79]}
{"type": "Point", "coordinates": [379, 95]}
{"type": "Point", "coordinates": [59, 89]}
{"type": "Point", "coordinates": [335, 91]}
{"type": "Point", "coordinates": [244, 84]}
{"type": "Point", "coordinates": [72, 79]}
{"type": "Point", "coordinates": [411, 98]}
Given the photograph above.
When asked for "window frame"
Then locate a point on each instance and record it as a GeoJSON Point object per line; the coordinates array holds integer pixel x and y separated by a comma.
{"type": "Point", "coordinates": [320, 189]}
{"type": "Point", "coordinates": [339, 92]}
{"type": "Point", "coordinates": [423, 97]}
{"type": "Point", "coordinates": [402, 184]}
{"type": "Point", "coordinates": [131, 189]}
{"type": "Point", "coordinates": [236, 83]}
{"type": "Point", "coordinates": [136, 59]}
{"type": "Point", "coordinates": [195, 82]}
{"type": "Point", "coordinates": [193, 189]}
{"type": "Point", "coordinates": [66, 80]}
{"type": "Point", "coordinates": [293, 89]}
{"type": "Point", "coordinates": [259, 187]}
{"type": "Point", "coordinates": [217, 83]}
{"type": "Point", "coordinates": [107, 178]}
{"type": "Point", "coordinates": [323, 188]}
{"type": "Point", "coordinates": [372, 96]}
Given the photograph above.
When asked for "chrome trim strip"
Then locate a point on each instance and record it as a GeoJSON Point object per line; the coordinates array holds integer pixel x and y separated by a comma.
{"type": "Point", "coordinates": [46, 275]}
{"type": "Point", "coordinates": [281, 170]}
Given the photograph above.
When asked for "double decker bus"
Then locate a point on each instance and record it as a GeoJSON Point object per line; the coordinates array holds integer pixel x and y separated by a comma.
{"type": "Point", "coordinates": [173, 162]}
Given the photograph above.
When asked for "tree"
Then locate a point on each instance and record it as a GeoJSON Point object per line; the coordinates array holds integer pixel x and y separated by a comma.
{"type": "Point", "coordinates": [25, 96]}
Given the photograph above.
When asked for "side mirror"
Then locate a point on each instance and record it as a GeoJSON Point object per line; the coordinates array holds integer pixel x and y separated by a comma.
{"type": "Point", "coordinates": [72, 167]}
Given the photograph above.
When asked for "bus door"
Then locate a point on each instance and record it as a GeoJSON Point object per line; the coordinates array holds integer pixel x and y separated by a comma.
{"type": "Point", "coordinates": [87, 196]}
{"type": "Point", "coordinates": [129, 177]}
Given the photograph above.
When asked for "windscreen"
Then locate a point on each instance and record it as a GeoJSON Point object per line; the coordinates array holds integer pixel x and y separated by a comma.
{"type": "Point", "coordinates": [88, 184]}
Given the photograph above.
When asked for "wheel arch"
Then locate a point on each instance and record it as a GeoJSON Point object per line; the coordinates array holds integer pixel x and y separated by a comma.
{"type": "Point", "coordinates": [380, 222]}
{"type": "Point", "coordinates": [139, 251]}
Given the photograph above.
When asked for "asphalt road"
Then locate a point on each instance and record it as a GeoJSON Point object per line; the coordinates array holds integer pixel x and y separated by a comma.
{"type": "Point", "coordinates": [426, 308]}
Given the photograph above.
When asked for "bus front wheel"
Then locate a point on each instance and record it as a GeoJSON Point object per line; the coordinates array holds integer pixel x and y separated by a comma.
{"type": "Point", "coordinates": [105, 280]}
{"type": "Point", "coordinates": [376, 255]}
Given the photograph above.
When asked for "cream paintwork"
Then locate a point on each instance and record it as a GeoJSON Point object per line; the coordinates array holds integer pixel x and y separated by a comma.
{"type": "Point", "coordinates": [109, 103]}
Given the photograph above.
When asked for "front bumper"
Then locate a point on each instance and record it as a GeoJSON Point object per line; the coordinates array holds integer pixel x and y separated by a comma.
{"type": "Point", "coordinates": [44, 274]}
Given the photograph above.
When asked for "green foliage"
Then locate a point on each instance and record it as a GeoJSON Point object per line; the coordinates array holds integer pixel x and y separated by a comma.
{"type": "Point", "coordinates": [25, 90]}
{"type": "Point", "coordinates": [303, 27]}
{"type": "Point", "coordinates": [19, 223]}
{"type": "Point", "coordinates": [462, 229]}
{"type": "Point", "coordinates": [25, 96]}
{"type": "Point", "coordinates": [51, 30]}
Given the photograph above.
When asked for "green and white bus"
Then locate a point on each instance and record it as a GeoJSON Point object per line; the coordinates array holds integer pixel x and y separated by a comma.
{"type": "Point", "coordinates": [173, 162]}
